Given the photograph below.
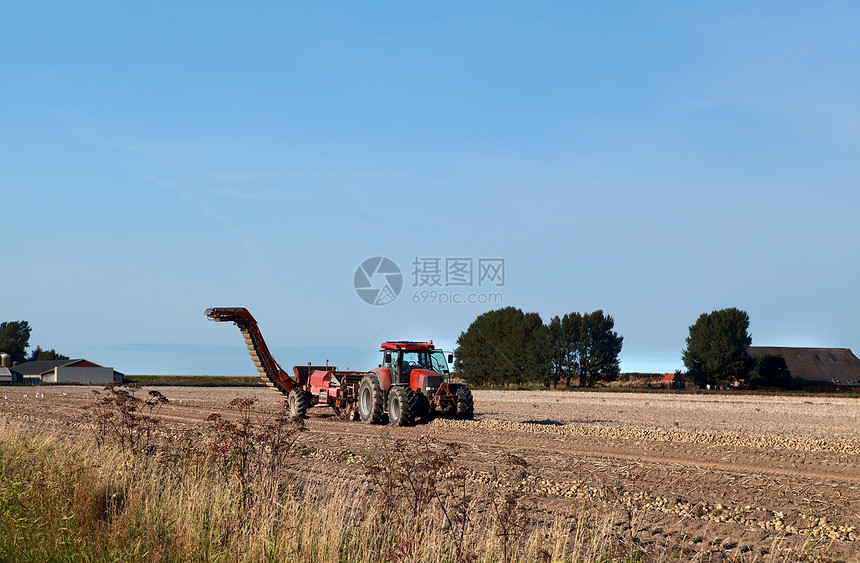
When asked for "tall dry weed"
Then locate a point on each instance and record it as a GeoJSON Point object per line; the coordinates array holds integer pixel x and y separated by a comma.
{"type": "Point", "coordinates": [236, 488]}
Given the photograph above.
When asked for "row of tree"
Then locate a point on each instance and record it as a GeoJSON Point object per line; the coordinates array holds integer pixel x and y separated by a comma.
{"type": "Point", "coordinates": [15, 339]}
{"type": "Point", "coordinates": [509, 347]}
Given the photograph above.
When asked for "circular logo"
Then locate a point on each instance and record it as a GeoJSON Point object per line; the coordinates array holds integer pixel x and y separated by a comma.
{"type": "Point", "coordinates": [378, 281]}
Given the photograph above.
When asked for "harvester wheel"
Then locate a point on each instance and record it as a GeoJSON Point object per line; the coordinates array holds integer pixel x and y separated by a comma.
{"type": "Point", "coordinates": [465, 404]}
{"type": "Point", "coordinates": [298, 402]}
{"type": "Point", "coordinates": [401, 406]}
{"type": "Point", "coordinates": [370, 399]}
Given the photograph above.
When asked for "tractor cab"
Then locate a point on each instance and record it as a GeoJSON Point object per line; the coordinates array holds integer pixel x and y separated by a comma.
{"type": "Point", "coordinates": [403, 357]}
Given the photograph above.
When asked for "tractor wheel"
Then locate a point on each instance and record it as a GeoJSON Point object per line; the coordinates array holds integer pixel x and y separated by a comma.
{"type": "Point", "coordinates": [465, 404]}
{"type": "Point", "coordinates": [298, 402]}
{"type": "Point", "coordinates": [422, 405]}
{"type": "Point", "coordinates": [370, 399]}
{"type": "Point", "coordinates": [401, 406]}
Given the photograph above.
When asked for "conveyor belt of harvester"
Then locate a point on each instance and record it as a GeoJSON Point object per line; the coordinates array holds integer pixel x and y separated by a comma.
{"type": "Point", "coordinates": [269, 370]}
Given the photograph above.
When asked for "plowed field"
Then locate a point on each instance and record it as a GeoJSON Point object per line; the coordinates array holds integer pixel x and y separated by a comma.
{"type": "Point", "coordinates": [713, 476]}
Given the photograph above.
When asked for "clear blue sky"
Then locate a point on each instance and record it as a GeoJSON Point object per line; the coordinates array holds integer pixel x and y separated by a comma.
{"type": "Point", "coordinates": [158, 160]}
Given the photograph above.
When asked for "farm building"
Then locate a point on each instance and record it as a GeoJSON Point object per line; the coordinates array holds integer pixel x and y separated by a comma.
{"type": "Point", "coordinates": [821, 369]}
{"type": "Point", "coordinates": [67, 371]}
{"type": "Point", "coordinates": [672, 381]}
{"type": "Point", "coordinates": [9, 375]}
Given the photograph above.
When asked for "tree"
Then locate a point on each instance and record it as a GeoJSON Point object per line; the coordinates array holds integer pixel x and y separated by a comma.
{"type": "Point", "coordinates": [716, 352]}
{"type": "Point", "coordinates": [538, 362]}
{"type": "Point", "coordinates": [598, 348]}
{"type": "Point", "coordinates": [571, 336]}
{"type": "Point", "coordinates": [770, 371]}
{"type": "Point", "coordinates": [14, 339]}
{"type": "Point", "coordinates": [556, 353]}
{"type": "Point", "coordinates": [583, 346]}
{"type": "Point", "coordinates": [504, 346]}
{"type": "Point", "coordinates": [39, 355]}
{"type": "Point", "coordinates": [565, 334]}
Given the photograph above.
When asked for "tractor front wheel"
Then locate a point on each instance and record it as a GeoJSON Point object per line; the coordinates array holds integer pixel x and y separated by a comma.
{"type": "Point", "coordinates": [401, 406]}
{"type": "Point", "coordinates": [370, 399]}
{"type": "Point", "coordinates": [298, 402]}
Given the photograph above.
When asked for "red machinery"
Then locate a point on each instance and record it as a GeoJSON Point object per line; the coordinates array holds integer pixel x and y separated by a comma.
{"type": "Point", "coordinates": [412, 381]}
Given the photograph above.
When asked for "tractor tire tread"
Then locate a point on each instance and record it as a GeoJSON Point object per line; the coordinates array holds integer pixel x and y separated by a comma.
{"type": "Point", "coordinates": [405, 414]}
{"type": "Point", "coordinates": [370, 383]}
{"type": "Point", "coordinates": [299, 401]}
{"type": "Point", "coordinates": [465, 404]}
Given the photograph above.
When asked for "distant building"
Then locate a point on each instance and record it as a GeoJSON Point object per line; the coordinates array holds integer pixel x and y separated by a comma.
{"type": "Point", "coordinates": [9, 375]}
{"type": "Point", "coordinates": [821, 369]}
{"type": "Point", "coordinates": [672, 381]}
{"type": "Point", "coordinates": [67, 371]}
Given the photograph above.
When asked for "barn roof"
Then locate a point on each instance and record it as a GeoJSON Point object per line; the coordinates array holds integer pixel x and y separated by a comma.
{"type": "Point", "coordinates": [822, 366]}
{"type": "Point", "coordinates": [38, 368]}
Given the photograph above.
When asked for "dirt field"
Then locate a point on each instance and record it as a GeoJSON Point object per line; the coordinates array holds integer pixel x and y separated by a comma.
{"type": "Point", "coordinates": [714, 477]}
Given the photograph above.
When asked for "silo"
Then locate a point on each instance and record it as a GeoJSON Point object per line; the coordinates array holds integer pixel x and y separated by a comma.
{"type": "Point", "coordinates": [5, 360]}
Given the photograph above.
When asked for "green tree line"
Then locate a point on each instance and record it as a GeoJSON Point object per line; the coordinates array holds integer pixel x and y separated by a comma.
{"type": "Point", "coordinates": [509, 347]}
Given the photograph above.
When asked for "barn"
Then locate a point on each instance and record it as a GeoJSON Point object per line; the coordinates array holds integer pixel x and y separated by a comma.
{"type": "Point", "coordinates": [67, 371]}
{"type": "Point", "coordinates": [9, 375]}
{"type": "Point", "coordinates": [672, 381]}
{"type": "Point", "coordinates": [821, 369]}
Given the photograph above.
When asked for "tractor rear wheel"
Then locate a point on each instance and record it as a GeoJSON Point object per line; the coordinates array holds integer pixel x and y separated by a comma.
{"type": "Point", "coordinates": [401, 406]}
{"type": "Point", "coordinates": [465, 404]}
{"type": "Point", "coordinates": [370, 399]}
{"type": "Point", "coordinates": [298, 402]}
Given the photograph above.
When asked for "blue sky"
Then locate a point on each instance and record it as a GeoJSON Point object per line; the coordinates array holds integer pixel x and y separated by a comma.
{"type": "Point", "coordinates": [654, 161]}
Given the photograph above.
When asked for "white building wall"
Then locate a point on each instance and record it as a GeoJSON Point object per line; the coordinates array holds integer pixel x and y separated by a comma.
{"type": "Point", "coordinates": [80, 375]}
{"type": "Point", "coordinates": [8, 376]}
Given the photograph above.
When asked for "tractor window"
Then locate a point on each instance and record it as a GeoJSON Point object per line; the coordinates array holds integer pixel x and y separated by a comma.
{"type": "Point", "coordinates": [439, 363]}
{"type": "Point", "coordinates": [412, 360]}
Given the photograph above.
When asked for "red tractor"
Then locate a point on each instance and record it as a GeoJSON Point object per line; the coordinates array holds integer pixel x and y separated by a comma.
{"type": "Point", "coordinates": [413, 380]}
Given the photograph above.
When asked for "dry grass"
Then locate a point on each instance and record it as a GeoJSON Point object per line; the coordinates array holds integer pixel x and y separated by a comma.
{"type": "Point", "coordinates": [235, 490]}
